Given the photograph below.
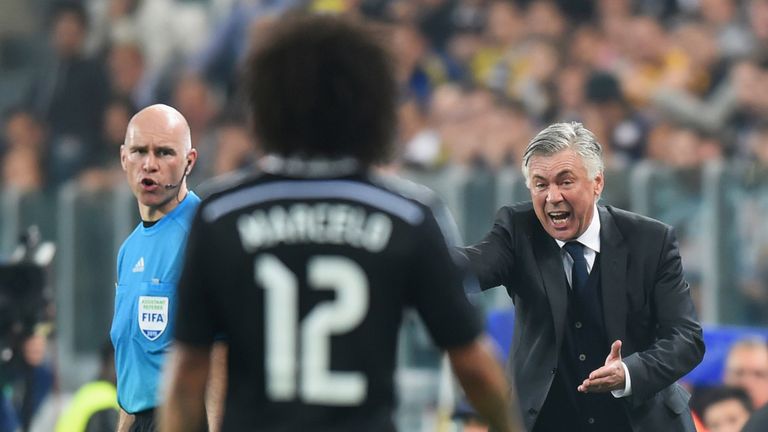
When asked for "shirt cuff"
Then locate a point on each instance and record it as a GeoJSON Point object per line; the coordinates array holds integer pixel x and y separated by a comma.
{"type": "Point", "coordinates": [627, 384]}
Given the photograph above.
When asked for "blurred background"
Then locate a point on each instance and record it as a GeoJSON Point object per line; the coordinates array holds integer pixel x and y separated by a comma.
{"type": "Point", "coordinates": [675, 90]}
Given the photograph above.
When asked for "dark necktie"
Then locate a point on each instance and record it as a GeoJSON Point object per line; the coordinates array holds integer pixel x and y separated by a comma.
{"type": "Point", "coordinates": [579, 273]}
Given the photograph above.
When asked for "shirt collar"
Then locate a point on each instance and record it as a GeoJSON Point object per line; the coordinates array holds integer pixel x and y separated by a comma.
{"type": "Point", "coordinates": [591, 236]}
{"type": "Point", "coordinates": [296, 166]}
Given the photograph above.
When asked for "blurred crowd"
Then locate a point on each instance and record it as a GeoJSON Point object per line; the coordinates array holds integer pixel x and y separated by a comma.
{"type": "Point", "coordinates": [676, 81]}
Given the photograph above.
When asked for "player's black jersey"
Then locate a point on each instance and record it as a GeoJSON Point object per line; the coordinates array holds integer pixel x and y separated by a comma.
{"type": "Point", "coordinates": [308, 279]}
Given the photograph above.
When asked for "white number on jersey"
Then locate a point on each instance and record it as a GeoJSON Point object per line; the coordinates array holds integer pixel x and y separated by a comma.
{"type": "Point", "coordinates": [317, 383]}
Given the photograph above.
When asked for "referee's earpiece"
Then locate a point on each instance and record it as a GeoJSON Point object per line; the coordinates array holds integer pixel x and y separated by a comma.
{"type": "Point", "coordinates": [186, 173]}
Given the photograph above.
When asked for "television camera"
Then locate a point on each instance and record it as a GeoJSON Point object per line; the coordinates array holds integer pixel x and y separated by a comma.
{"type": "Point", "coordinates": [25, 298]}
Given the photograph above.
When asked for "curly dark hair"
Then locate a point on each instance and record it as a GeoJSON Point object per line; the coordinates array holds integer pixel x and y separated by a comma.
{"type": "Point", "coordinates": [322, 86]}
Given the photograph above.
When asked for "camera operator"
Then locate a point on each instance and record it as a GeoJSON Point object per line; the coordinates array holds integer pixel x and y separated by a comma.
{"type": "Point", "coordinates": [25, 325]}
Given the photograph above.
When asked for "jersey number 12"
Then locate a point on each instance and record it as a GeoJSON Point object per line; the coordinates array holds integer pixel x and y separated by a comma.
{"type": "Point", "coordinates": [318, 384]}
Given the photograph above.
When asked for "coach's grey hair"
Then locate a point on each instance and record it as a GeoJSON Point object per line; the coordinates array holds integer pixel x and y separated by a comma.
{"type": "Point", "coordinates": [561, 136]}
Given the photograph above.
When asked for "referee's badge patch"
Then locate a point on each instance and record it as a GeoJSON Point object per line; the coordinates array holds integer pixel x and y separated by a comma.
{"type": "Point", "coordinates": [153, 316]}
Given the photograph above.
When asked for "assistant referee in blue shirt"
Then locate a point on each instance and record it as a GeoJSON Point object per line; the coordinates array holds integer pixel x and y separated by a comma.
{"type": "Point", "coordinates": [157, 156]}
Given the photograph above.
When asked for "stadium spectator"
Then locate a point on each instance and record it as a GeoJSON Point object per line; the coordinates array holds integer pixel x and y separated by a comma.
{"type": "Point", "coordinates": [726, 409]}
{"type": "Point", "coordinates": [113, 21]}
{"type": "Point", "coordinates": [757, 146]}
{"type": "Point", "coordinates": [116, 118]}
{"type": "Point", "coordinates": [103, 169]}
{"type": "Point", "coordinates": [570, 86]}
{"type": "Point", "coordinates": [753, 256]}
{"type": "Point", "coordinates": [508, 130]}
{"type": "Point", "coordinates": [613, 21]}
{"type": "Point", "coordinates": [70, 92]}
{"type": "Point", "coordinates": [708, 65]}
{"type": "Point", "coordinates": [438, 21]}
{"type": "Point", "coordinates": [419, 143]}
{"type": "Point", "coordinates": [500, 50]}
{"type": "Point", "coordinates": [651, 61]}
{"type": "Point", "coordinates": [418, 69]}
{"type": "Point", "coordinates": [544, 19]}
{"type": "Point", "coordinates": [723, 17]}
{"type": "Point", "coordinates": [24, 129]}
{"type": "Point", "coordinates": [24, 153]}
{"type": "Point", "coordinates": [323, 97]}
{"type": "Point", "coordinates": [710, 102]}
{"type": "Point", "coordinates": [587, 47]}
{"type": "Point", "coordinates": [533, 81]}
{"type": "Point", "coordinates": [622, 131]}
{"type": "Point", "coordinates": [127, 73]}
{"type": "Point", "coordinates": [596, 338]}
{"type": "Point", "coordinates": [157, 157]}
{"type": "Point", "coordinates": [167, 31]}
{"type": "Point", "coordinates": [683, 147]}
{"type": "Point", "coordinates": [27, 381]}
{"type": "Point", "coordinates": [746, 367]}
{"type": "Point", "coordinates": [197, 102]}
{"type": "Point", "coordinates": [750, 87]}
{"type": "Point", "coordinates": [221, 56]}
{"type": "Point", "coordinates": [461, 121]}
{"type": "Point", "coordinates": [22, 171]}
{"type": "Point", "coordinates": [683, 153]}
{"type": "Point", "coordinates": [757, 18]}
{"type": "Point", "coordinates": [234, 145]}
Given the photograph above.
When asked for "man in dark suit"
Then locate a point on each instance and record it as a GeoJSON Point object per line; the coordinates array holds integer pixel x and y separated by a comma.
{"type": "Point", "coordinates": [605, 324]}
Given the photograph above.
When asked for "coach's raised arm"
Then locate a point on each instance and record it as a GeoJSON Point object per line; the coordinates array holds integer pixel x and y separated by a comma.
{"type": "Point", "coordinates": [604, 322]}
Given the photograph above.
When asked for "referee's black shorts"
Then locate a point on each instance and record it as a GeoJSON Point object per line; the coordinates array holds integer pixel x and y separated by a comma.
{"type": "Point", "coordinates": [145, 421]}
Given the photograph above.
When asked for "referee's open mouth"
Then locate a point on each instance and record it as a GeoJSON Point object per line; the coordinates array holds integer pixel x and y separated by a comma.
{"type": "Point", "coordinates": [149, 184]}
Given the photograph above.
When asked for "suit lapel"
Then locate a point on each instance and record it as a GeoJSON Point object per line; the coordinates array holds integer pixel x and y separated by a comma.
{"type": "Point", "coordinates": [613, 265]}
{"type": "Point", "coordinates": [550, 264]}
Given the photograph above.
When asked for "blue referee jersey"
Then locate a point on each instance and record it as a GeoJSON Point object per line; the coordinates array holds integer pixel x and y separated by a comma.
{"type": "Point", "coordinates": [148, 268]}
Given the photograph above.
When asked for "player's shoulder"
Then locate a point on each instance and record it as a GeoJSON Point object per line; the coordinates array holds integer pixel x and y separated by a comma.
{"type": "Point", "coordinates": [225, 182]}
{"type": "Point", "coordinates": [427, 200]}
{"type": "Point", "coordinates": [406, 189]}
{"type": "Point", "coordinates": [418, 195]}
{"type": "Point", "coordinates": [226, 190]}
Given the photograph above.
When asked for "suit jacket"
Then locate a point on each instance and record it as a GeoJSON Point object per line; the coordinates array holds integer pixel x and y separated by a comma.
{"type": "Point", "coordinates": [647, 305]}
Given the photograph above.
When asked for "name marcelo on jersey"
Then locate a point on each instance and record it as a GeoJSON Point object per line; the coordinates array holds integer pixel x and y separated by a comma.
{"type": "Point", "coordinates": [323, 223]}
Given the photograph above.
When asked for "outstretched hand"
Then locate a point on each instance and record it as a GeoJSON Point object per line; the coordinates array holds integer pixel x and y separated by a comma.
{"type": "Point", "coordinates": [609, 377]}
